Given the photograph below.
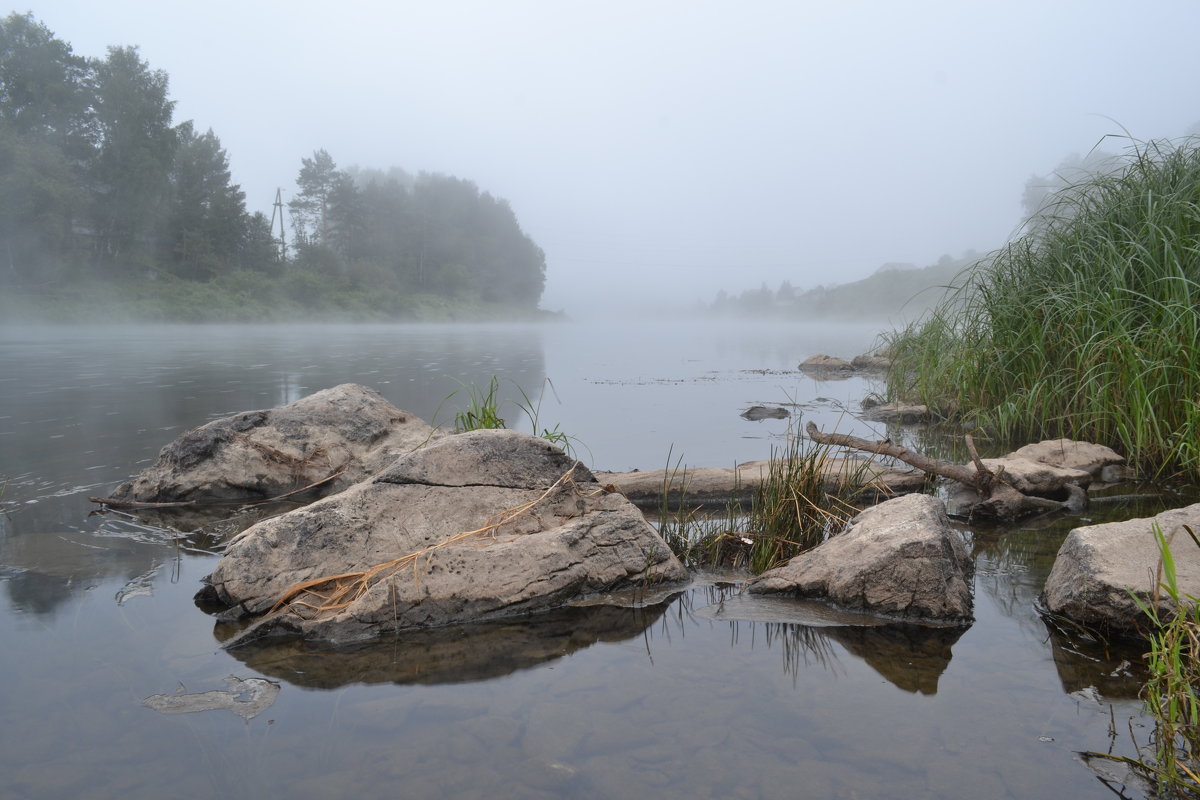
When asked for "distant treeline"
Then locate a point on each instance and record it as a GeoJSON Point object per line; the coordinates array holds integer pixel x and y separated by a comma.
{"type": "Point", "coordinates": [894, 291]}
{"type": "Point", "coordinates": [98, 187]}
{"type": "Point", "coordinates": [901, 293]}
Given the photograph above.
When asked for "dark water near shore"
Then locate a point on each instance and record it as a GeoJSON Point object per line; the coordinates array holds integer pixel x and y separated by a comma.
{"type": "Point", "coordinates": [709, 696]}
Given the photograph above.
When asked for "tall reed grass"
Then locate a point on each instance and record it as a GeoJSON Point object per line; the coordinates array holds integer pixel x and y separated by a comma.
{"type": "Point", "coordinates": [802, 500]}
{"type": "Point", "coordinates": [1087, 326]}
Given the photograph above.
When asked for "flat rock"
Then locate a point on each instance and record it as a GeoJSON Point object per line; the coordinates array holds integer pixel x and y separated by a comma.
{"type": "Point", "coordinates": [900, 413]}
{"type": "Point", "coordinates": [1035, 477]}
{"type": "Point", "coordinates": [871, 363]}
{"type": "Point", "coordinates": [716, 485]}
{"type": "Point", "coordinates": [348, 429]}
{"type": "Point", "coordinates": [900, 559]}
{"type": "Point", "coordinates": [478, 526]}
{"type": "Point", "coordinates": [1100, 568]}
{"type": "Point", "coordinates": [1094, 459]}
{"type": "Point", "coordinates": [826, 366]}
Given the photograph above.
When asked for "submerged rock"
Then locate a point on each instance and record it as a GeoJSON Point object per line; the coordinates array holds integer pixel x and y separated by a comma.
{"type": "Point", "coordinates": [347, 431]}
{"type": "Point", "coordinates": [899, 559]}
{"type": "Point", "coordinates": [759, 413]}
{"type": "Point", "coordinates": [246, 697]}
{"type": "Point", "coordinates": [479, 526]}
{"type": "Point", "coordinates": [1100, 569]}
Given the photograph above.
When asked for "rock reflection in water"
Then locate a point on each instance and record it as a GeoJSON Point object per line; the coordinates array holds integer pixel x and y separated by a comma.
{"type": "Point", "coordinates": [452, 654]}
{"type": "Point", "coordinates": [911, 657]}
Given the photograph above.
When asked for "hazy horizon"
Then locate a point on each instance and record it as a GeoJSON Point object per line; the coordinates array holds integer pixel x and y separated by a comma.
{"type": "Point", "coordinates": [674, 149]}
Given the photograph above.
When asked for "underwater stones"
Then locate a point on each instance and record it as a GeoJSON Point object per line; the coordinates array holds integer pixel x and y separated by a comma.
{"type": "Point", "coordinates": [478, 526]}
{"type": "Point", "coordinates": [1101, 569]}
{"type": "Point", "coordinates": [348, 431]}
{"type": "Point", "coordinates": [899, 559]}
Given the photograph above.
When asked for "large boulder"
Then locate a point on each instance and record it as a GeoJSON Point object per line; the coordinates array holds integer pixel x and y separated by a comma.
{"type": "Point", "coordinates": [1100, 569]}
{"type": "Point", "coordinates": [347, 431]}
{"type": "Point", "coordinates": [479, 526]}
{"type": "Point", "coordinates": [899, 559]}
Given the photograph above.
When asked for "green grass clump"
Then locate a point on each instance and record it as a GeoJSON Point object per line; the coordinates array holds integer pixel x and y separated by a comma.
{"type": "Point", "coordinates": [1171, 691]}
{"type": "Point", "coordinates": [795, 508]}
{"type": "Point", "coordinates": [483, 413]}
{"type": "Point", "coordinates": [1088, 326]}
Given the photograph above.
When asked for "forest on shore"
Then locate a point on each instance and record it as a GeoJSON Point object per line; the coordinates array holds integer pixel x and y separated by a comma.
{"type": "Point", "coordinates": [111, 210]}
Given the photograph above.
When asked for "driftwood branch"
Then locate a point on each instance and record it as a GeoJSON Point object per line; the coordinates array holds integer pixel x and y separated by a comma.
{"type": "Point", "coordinates": [954, 472]}
{"type": "Point", "coordinates": [998, 499]}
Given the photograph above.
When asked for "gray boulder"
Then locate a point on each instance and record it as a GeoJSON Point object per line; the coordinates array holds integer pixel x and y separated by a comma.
{"type": "Point", "coordinates": [898, 559]}
{"type": "Point", "coordinates": [1057, 470]}
{"type": "Point", "coordinates": [1099, 566]}
{"type": "Point", "coordinates": [479, 526]}
{"type": "Point", "coordinates": [348, 431]}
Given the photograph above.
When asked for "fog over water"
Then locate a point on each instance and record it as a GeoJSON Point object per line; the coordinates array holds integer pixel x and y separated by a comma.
{"type": "Point", "coordinates": [671, 149]}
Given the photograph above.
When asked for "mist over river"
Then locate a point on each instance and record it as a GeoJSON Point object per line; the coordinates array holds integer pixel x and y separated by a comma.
{"type": "Point", "coordinates": [708, 696]}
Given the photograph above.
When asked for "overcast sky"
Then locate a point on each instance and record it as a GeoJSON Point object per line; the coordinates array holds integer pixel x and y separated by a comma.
{"type": "Point", "coordinates": [676, 148]}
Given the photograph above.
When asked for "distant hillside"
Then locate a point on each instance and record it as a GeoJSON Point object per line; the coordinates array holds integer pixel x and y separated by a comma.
{"type": "Point", "coordinates": [895, 292]}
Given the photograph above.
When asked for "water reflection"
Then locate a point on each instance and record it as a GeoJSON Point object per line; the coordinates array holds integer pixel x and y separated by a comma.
{"type": "Point", "coordinates": [910, 657]}
{"type": "Point", "coordinates": [452, 654]}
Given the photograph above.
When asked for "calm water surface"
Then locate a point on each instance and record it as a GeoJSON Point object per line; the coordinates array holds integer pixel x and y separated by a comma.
{"type": "Point", "coordinates": [709, 696]}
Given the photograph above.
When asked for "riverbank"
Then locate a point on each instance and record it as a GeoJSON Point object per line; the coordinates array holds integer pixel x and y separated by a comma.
{"type": "Point", "coordinates": [242, 297]}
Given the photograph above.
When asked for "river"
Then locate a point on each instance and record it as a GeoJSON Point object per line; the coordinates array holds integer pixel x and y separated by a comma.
{"type": "Point", "coordinates": [692, 700]}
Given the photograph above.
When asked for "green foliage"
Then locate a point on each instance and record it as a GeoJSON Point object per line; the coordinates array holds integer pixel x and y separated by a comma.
{"type": "Point", "coordinates": [797, 506]}
{"type": "Point", "coordinates": [95, 180]}
{"type": "Point", "coordinates": [136, 148]}
{"type": "Point", "coordinates": [1172, 692]}
{"type": "Point", "coordinates": [1087, 327]}
{"type": "Point", "coordinates": [482, 413]}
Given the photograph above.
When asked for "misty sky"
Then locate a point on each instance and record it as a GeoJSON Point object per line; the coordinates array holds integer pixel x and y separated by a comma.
{"type": "Point", "coordinates": [676, 148]}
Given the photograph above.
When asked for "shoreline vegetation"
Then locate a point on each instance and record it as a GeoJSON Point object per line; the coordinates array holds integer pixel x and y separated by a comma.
{"type": "Point", "coordinates": [110, 210]}
{"type": "Point", "coordinates": [244, 297]}
{"type": "Point", "coordinates": [1086, 327]}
